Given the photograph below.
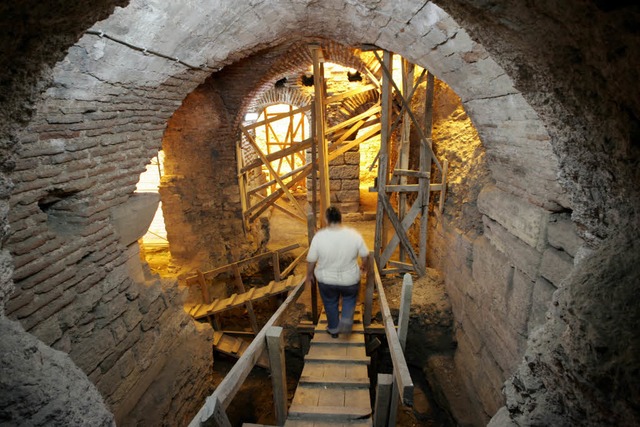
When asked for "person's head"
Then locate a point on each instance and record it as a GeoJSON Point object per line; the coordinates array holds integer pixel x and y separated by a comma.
{"type": "Point", "coordinates": [333, 215]}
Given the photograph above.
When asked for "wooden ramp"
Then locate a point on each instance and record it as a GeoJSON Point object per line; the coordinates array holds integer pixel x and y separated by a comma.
{"type": "Point", "coordinates": [334, 386]}
{"type": "Point", "coordinates": [202, 311]}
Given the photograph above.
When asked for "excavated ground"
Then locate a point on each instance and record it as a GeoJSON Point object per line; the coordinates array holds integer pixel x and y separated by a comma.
{"type": "Point", "coordinates": [430, 332]}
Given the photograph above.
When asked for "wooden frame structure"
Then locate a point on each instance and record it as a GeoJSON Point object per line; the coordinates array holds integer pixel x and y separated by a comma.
{"type": "Point", "coordinates": [395, 180]}
{"type": "Point", "coordinates": [326, 144]}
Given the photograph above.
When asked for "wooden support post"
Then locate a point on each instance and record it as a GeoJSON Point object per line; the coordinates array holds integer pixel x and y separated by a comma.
{"type": "Point", "coordinates": [443, 191]}
{"type": "Point", "coordinates": [313, 288]}
{"type": "Point", "coordinates": [275, 345]}
{"type": "Point", "coordinates": [403, 158]}
{"type": "Point", "coordinates": [249, 304]}
{"type": "Point", "coordinates": [383, 396]}
{"type": "Point", "coordinates": [275, 260]}
{"type": "Point", "coordinates": [425, 166]}
{"type": "Point", "coordinates": [242, 184]}
{"type": "Point", "coordinates": [368, 295]}
{"type": "Point", "coordinates": [319, 107]}
{"type": "Point", "coordinates": [383, 162]}
{"type": "Point", "coordinates": [403, 328]}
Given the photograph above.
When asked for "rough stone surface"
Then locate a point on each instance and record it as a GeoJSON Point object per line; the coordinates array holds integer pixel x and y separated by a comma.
{"type": "Point", "coordinates": [549, 86]}
{"type": "Point", "coordinates": [40, 386]}
{"type": "Point", "coordinates": [572, 372]}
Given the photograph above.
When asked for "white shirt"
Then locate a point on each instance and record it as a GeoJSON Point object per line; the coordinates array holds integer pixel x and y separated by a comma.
{"type": "Point", "coordinates": [335, 251]}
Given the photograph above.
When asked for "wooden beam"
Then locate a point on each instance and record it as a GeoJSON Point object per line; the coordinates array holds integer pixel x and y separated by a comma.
{"type": "Point", "coordinates": [383, 398]}
{"type": "Point", "coordinates": [275, 345]}
{"type": "Point", "coordinates": [383, 162]}
{"type": "Point", "coordinates": [321, 143]}
{"type": "Point", "coordinates": [370, 112]}
{"type": "Point", "coordinates": [249, 304]}
{"type": "Point", "coordinates": [348, 94]}
{"type": "Point", "coordinates": [386, 71]}
{"type": "Point", "coordinates": [403, 328]}
{"type": "Point", "coordinates": [293, 148]}
{"type": "Point", "coordinates": [397, 225]}
{"type": "Point", "coordinates": [282, 185]}
{"type": "Point", "coordinates": [400, 368]}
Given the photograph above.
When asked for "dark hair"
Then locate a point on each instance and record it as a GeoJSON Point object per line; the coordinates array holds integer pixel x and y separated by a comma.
{"type": "Point", "coordinates": [333, 215]}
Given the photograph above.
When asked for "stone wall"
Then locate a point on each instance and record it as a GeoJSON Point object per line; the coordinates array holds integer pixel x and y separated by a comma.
{"type": "Point", "coordinates": [76, 285]}
{"type": "Point", "coordinates": [554, 105]}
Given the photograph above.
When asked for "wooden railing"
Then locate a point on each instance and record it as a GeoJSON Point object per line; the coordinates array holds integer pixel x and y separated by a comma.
{"type": "Point", "coordinates": [395, 339]}
{"type": "Point", "coordinates": [215, 405]}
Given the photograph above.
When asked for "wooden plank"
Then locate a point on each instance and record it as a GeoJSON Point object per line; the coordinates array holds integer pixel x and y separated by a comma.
{"type": "Point", "coordinates": [349, 94]}
{"type": "Point", "coordinates": [277, 155]}
{"type": "Point", "coordinates": [325, 358]}
{"type": "Point", "coordinates": [370, 112]}
{"type": "Point", "coordinates": [443, 190]}
{"type": "Point", "coordinates": [295, 262]}
{"type": "Point", "coordinates": [275, 345]}
{"type": "Point", "coordinates": [400, 368]}
{"type": "Point", "coordinates": [404, 188]}
{"type": "Point", "coordinates": [326, 382]}
{"type": "Point", "coordinates": [324, 413]}
{"type": "Point", "coordinates": [404, 102]}
{"type": "Point", "coordinates": [383, 155]}
{"type": "Point", "coordinates": [316, 423]}
{"type": "Point", "coordinates": [343, 339]}
{"type": "Point", "coordinates": [232, 382]}
{"type": "Point", "coordinates": [279, 207]}
{"type": "Point", "coordinates": [282, 185]}
{"type": "Point", "coordinates": [400, 232]}
{"type": "Point", "coordinates": [319, 128]}
{"type": "Point", "coordinates": [410, 173]}
{"type": "Point", "coordinates": [383, 398]}
{"type": "Point", "coordinates": [368, 295]}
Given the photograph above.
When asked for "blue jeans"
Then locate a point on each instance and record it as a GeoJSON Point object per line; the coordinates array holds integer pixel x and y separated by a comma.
{"type": "Point", "coordinates": [330, 295]}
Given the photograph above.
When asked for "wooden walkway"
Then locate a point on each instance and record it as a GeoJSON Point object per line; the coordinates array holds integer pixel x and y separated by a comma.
{"type": "Point", "coordinates": [334, 386]}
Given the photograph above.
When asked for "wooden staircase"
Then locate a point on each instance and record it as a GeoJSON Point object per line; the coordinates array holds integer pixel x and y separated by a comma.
{"type": "Point", "coordinates": [203, 311]}
{"type": "Point", "coordinates": [334, 386]}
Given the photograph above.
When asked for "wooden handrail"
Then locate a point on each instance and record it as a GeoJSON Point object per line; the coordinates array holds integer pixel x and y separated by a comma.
{"type": "Point", "coordinates": [400, 368]}
{"type": "Point", "coordinates": [227, 389]}
{"type": "Point", "coordinates": [193, 280]}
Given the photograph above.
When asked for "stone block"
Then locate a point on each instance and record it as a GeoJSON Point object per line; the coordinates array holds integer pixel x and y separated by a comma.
{"type": "Point", "coordinates": [519, 217]}
{"type": "Point", "coordinates": [520, 254]}
{"type": "Point", "coordinates": [541, 301]}
{"type": "Point", "coordinates": [351, 184]}
{"type": "Point", "coordinates": [155, 311]}
{"type": "Point", "coordinates": [132, 316]}
{"type": "Point", "coordinates": [563, 234]}
{"type": "Point", "coordinates": [352, 158]}
{"type": "Point", "coordinates": [101, 344]}
{"type": "Point", "coordinates": [335, 184]}
{"type": "Point", "coordinates": [519, 300]}
{"type": "Point", "coordinates": [492, 273]}
{"type": "Point", "coordinates": [344, 172]}
{"type": "Point", "coordinates": [347, 196]}
{"type": "Point", "coordinates": [556, 266]}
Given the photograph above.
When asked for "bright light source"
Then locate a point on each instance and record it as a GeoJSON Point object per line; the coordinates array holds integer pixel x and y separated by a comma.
{"type": "Point", "coordinates": [251, 117]}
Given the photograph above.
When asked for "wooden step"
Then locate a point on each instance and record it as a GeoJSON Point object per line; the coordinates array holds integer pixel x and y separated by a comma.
{"type": "Point", "coordinates": [235, 347]}
{"type": "Point", "coordinates": [305, 423]}
{"type": "Point", "coordinates": [330, 404]}
{"type": "Point", "coordinates": [340, 373]}
{"type": "Point", "coordinates": [322, 338]}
